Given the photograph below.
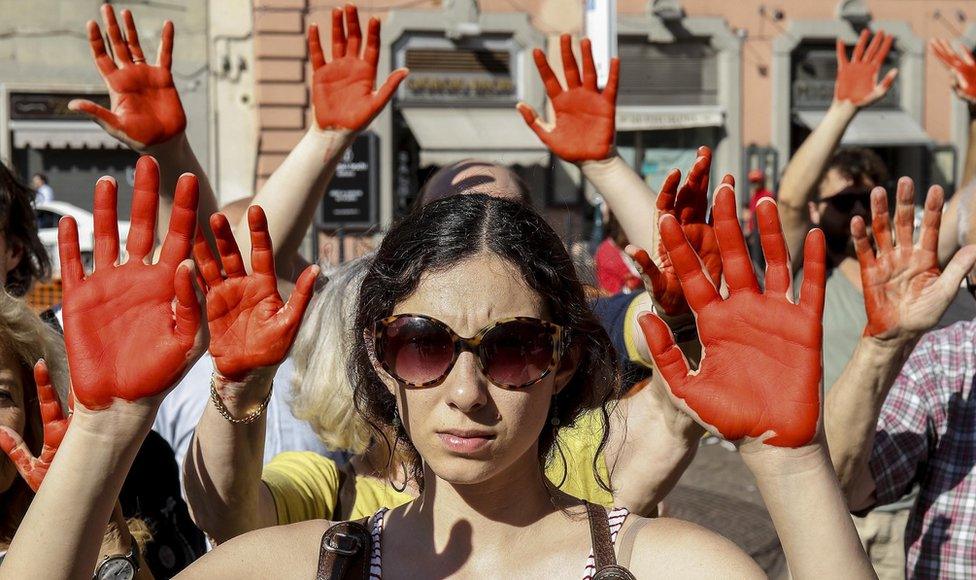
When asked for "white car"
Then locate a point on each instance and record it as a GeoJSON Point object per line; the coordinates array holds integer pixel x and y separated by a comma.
{"type": "Point", "coordinates": [48, 216]}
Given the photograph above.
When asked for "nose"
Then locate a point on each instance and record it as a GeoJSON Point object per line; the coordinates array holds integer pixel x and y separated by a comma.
{"type": "Point", "coordinates": [467, 387]}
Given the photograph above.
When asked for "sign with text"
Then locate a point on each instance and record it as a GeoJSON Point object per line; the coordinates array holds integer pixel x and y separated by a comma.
{"type": "Point", "coordinates": [352, 199]}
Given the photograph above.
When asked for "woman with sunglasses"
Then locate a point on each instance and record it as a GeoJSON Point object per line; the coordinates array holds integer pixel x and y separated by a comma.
{"type": "Point", "coordinates": [478, 348]}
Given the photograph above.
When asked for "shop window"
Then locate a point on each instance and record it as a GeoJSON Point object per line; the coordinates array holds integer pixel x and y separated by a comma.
{"type": "Point", "coordinates": [677, 73]}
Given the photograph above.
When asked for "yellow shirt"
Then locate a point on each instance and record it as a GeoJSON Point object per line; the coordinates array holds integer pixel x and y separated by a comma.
{"type": "Point", "coordinates": [305, 485]}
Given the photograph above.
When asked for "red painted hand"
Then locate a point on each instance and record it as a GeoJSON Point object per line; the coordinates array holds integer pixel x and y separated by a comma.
{"type": "Point", "coordinates": [585, 116]}
{"type": "Point", "coordinates": [904, 295]}
{"type": "Point", "coordinates": [963, 68]}
{"type": "Point", "coordinates": [126, 337]}
{"type": "Point", "coordinates": [857, 78]}
{"type": "Point", "coordinates": [145, 107]}
{"type": "Point", "coordinates": [342, 89]}
{"type": "Point", "coordinates": [33, 469]}
{"type": "Point", "coordinates": [759, 377]}
{"type": "Point", "coordinates": [250, 326]}
{"type": "Point", "coordinates": [689, 206]}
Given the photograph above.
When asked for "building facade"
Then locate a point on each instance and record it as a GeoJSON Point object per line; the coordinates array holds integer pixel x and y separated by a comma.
{"type": "Point", "coordinates": [749, 78]}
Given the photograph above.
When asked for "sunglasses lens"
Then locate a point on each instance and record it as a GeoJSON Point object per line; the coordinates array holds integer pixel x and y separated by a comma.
{"type": "Point", "coordinates": [518, 352]}
{"type": "Point", "coordinates": [416, 350]}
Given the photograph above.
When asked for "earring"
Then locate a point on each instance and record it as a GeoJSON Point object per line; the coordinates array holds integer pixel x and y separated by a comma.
{"type": "Point", "coordinates": [554, 411]}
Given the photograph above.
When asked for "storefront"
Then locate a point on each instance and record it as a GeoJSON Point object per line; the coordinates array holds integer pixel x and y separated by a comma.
{"type": "Point", "coordinates": [680, 87]}
{"type": "Point", "coordinates": [467, 72]}
{"type": "Point", "coordinates": [38, 134]}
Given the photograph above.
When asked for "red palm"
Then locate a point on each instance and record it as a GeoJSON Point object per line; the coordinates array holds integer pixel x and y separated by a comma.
{"type": "Point", "coordinates": [124, 337]}
{"type": "Point", "coordinates": [33, 469]}
{"type": "Point", "coordinates": [902, 290]}
{"type": "Point", "coordinates": [342, 89]}
{"type": "Point", "coordinates": [963, 68]}
{"type": "Point", "coordinates": [759, 378]}
{"type": "Point", "coordinates": [585, 116]}
{"type": "Point", "coordinates": [857, 78]}
{"type": "Point", "coordinates": [250, 325]}
{"type": "Point", "coordinates": [688, 206]}
{"type": "Point", "coordinates": [145, 106]}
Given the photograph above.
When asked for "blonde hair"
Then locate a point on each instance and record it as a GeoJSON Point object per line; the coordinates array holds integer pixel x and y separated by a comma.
{"type": "Point", "coordinates": [28, 339]}
{"type": "Point", "coordinates": [322, 393]}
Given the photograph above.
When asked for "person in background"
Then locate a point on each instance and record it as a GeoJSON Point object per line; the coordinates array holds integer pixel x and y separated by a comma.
{"type": "Point", "coordinates": [757, 191]}
{"type": "Point", "coordinates": [23, 259]}
{"type": "Point", "coordinates": [615, 273]}
{"type": "Point", "coordinates": [44, 191]}
{"type": "Point", "coordinates": [901, 413]}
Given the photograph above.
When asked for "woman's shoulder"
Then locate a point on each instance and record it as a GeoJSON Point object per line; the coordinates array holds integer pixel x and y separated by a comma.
{"type": "Point", "coordinates": [289, 551]}
{"type": "Point", "coordinates": [683, 549]}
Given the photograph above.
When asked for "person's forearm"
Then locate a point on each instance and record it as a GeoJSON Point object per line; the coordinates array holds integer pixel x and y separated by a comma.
{"type": "Point", "coordinates": [222, 471]}
{"type": "Point", "coordinates": [650, 446]}
{"type": "Point", "coordinates": [969, 163]}
{"type": "Point", "coordinates": [62, 534]}
{"type": "Point", "coordinates": [808, 511]}
{"type": "Point", "coordinates": [629, 198]}
{"type": "Point", "coordinates": [803, 173]}
{"type": "Point", "coordinates": [294, 191]}
{"type": "Point", "coordinates": [176, 157]}
{"type": "Point", "coordinates": [852, 407]}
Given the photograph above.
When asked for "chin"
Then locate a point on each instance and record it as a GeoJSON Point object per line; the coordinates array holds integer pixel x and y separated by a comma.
{"type": "Point", "coordinates": [464, 470]}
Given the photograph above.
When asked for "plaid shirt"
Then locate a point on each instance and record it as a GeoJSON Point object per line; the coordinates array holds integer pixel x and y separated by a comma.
{"type": "Point", "coordinates": [926, 435]}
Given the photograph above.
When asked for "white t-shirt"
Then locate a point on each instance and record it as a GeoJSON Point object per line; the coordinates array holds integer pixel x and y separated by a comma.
{"type": "Point", "coordinates": [182, 408]}
{"type": "Point", "coordinates": [44, 194]}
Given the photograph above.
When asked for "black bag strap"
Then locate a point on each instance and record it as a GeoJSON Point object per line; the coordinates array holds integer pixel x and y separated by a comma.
{"type": "Point", "coordinates": [604, 558]}
{"type": "Point", "coordinates": [345, 551]}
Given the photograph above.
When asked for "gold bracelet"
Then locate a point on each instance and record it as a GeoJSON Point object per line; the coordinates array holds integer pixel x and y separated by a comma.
{"type": "Point", "coordinates": [219, 404]}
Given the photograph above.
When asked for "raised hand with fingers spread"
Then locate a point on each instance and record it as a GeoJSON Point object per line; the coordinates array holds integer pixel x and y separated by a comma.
{"type": "Point", "coordinates": [904, 293]}
{"type": "Point", "coordinates": [688, 205]}
{"type": "Point", "coordinates": [857, 77]}
{"type": "Point", "coordinates": [251, 327]}
{"type": "Point", "coordinates": [585, 115]}
{"type": "Point", "coordinates": [33, 469]}
{"type": "Point", "coordinates": [145, 106]}
{"type": "Point", "coordinates": [131, 329]}
{"type": "Point", "coordinates": [343, 94]}
{"type": "Point", "coordinates": [962, 65]}
{"type": "Point", "coordinates": [759, 378]}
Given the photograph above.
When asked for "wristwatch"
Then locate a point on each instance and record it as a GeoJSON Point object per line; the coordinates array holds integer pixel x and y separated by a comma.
{"type": "Point", "coordinates": [118, 567]}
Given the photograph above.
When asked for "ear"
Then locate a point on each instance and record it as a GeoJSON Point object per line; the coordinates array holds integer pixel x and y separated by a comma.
{"type": "Point", "coordinates": [814, 213]}
{"type": "Point", "coordinates": [390, 382]}
{"type": "Point", "coordinates": [567, 367]}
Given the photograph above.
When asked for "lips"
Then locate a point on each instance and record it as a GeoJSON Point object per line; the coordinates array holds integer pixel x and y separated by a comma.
{"type": "Point", "coordinates": [465, 442]}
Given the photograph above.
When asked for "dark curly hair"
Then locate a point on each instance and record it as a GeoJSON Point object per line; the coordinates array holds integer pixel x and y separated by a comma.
{"type": "Point", "coordinates": [443, 234]}
{"type": "Point", "coordinates": [862, 166]}
{"type": "Point", "coordinates": [18, 225]}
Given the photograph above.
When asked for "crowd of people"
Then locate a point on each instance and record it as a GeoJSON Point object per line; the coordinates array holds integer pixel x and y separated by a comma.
{"type": "Point", "coordinates": [457, 403]}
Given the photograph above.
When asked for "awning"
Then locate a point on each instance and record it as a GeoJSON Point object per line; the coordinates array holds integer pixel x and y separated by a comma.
{"type": "Point", "coordinates": [61, 135]}
{"type": "Point", "coordinates": [495, 135]}
{"type": "Point", "coordinates": [653, 118]}
{"type": "Point", "coordinates": [874, 128]}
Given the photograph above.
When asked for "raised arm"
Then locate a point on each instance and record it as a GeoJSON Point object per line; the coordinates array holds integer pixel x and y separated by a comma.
{"type": "Point", "coordinates": [344, 103]}
{"type": "Point", "coordinates": [116, 539]}
{"type": "Point", "coordinates": [857, 87]}
{"type": "Point", "coordinates": [904, 296]}
{"type": "Point", "coordinates": [131, 332]}
{"type": "Point", "coordinates": [146, 113]}
{"type": "Point", "coordinates": [251, 331]}
{"type": "Point", "coordinates": [583, 133]}
{"type": "Point", "coordinates": [758, 383]}
{"type": "Point", "coordinates": [963, 68]}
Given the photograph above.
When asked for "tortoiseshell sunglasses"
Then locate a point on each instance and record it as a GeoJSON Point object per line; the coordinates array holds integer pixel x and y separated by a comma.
{"type": "Point", "coordinates": [513, 353]}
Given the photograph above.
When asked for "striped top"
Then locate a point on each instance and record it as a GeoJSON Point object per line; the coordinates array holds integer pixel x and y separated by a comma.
{"type": "Point", "coordinates": [615, 517]}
